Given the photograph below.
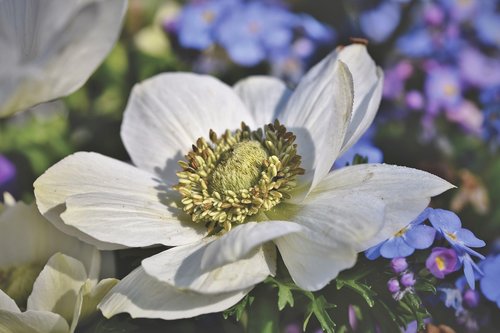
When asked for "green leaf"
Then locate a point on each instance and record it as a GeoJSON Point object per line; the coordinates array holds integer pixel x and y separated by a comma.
{"type": "Point", "coordinates": [284, 296]}
{"type": "Point", "coordinates": [362, 289]}
{"type": "Point", "coordinates": [238, 309]}
{"type": "Point", "coordinates": [425, 286]}
{"type": "Point", "coordinates": [319, 306]}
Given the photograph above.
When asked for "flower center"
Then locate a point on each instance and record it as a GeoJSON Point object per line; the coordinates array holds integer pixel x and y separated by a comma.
{"type": "Point", "coordinates": [238, 175]}
{"type": "Point", "coordinates": [440, 263]}
{"type": "Point", "coordinates": [17, 281]}
{"type": "Point", "coordinates": [238, 167]}
{"type": "Point", "coordinates": [401, 232]}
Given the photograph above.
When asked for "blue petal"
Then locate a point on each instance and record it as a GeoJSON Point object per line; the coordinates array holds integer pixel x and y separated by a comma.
{"type": "Point", "coordinates": [374, 252]}
{"type": "Point", "coordinates": [396, 247]}
{"type": "Point", "coordinates": [489, 288]}
{"type": "Point", "coordinates": [246, 53]}
{"type": "Point", "coordinates": [469, 239]}
{"type": "Point", "coordinates": [420, 237]}
{"type": "Point", "coordinates": [422, 217]}
{"type": "Point", "coordinates": [444, 220]}
{"type": "Point", "coordinates": [469, 272]}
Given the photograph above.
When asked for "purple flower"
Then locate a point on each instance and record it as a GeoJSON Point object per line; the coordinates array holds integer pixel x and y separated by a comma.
{"type": "Point", "coordinates": [471, 298]}
{"type": "Point", "coordinates": [441, 262]}
{"type": "Point", "coordinates": [443, 88]}
{"type": "Point", "coordinates": [7, 174]}
{"type": "Point", "coordinates": [414, 100]}
{"type": "Point", "coordinates": [404, 242]}
{"type": "Point", "coordinates": [449, 226]}
{"type": "Point", "coordinates": [408, 279]}
{"type": "Point", "coordinates": [393, 286]}
{"type": "Point", "coordinates": [398, 265]}
{"type": "Point", "coordinates": [433, 14]}
{"type": "Point", "coordinates": [478, 69]}
{"type": "Point", "coordinates": [395, 79]}
{"type": "Point", "coordinates": [489, 283]}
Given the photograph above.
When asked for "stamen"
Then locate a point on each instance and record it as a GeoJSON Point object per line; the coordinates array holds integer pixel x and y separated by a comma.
{"type": "Point", "coordinates": [238, 175]}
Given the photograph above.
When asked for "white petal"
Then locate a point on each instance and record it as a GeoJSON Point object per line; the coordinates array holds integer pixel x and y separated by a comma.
{"type": "Point", "coordinates": [318, 113]}
{"type": "Point", "coordinates": [7, 303]}
{"type": "Point", "coordinates": [311, 263]}
{"type": "Point", "coordinates": [405, 192]}
{"type": "Point", "coordinates": [129, 220]}
{"type": "Point", "coordinates": [53, 48]}
{"type": "Point", "coordinates": [18, 246]}
{"type": "Point", "coordinates": [367, 92]}
{"type": "Point", "coordinates": [181, 267]}
{"type": "Point", "coordinates": [32, 322]}
{"type": "Point", "coordinates": [264, 96]}
{"type": "Point", "coordinates": [84, 173]}
{"type": "Point", "coordinates": [166, 114]}
{"type": "Point", "coordinates": [143, 296]}
{"type": "Point", "coordinates": [351, 216]}
{"type": "Point", "coordinates": [241, 240]}
{"type": "Point", "coordinates": [57, 287]}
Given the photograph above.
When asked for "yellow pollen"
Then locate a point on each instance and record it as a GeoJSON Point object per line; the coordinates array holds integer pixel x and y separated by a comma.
{"type": "Point", "coordinates": [238, 175]}
{"type": "Point", "coordinates": [440, 263]}
{"type": "Point", "coordinates": [208, 16]}
{"type": "Point", "coordinates": [449, 89]}
{"type": "Point", "coordinates": [452, 236]}
{"type": "Point", "coordinates": [401, 232]}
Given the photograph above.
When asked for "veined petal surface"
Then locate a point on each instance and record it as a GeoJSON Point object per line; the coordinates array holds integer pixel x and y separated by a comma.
{"type": "Point", "coordinates": [180, 267]}
{"type": "Point", "coordinates": [49, 50]}
{"type": "Point", "coordinates": [18, 246]}
{"type": "Point", "coordinates": [318, 113]}
{"type": "Point", "coordinates": [129, 220]}
{"type": "Point", "coordinates": [32, 322]}
{"type": "Point", "coordinates": [141, 295]}
{"type": "Point", "coordinates": [405, 192]}
{"type": "Point", "coordinates": [264, 96]}
{"type": "Point", "coordinates": [90, 177]}
{"type": "Point", "coordinates": [311, 261]}
{"type": "Point", "coordinates": [57, 287]}
{"type": "Point", "coordinates": [368, 84]}
{"type": "Point", "coordinates": [242, 239]}
{"type": "Point", "coordinates": [166, 114]}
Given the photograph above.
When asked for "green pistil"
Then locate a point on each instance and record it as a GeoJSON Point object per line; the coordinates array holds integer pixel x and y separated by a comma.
{"type": "Point", "coordinates": [238, 175]}
{"type": "Point", "coordinates": [238, 168]}
{"type": "Point", "coordinates": [17, 281]}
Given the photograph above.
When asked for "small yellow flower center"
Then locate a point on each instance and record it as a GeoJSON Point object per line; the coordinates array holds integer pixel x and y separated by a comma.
{"type": "Point", "coordinates": [17, 281]}
{"type": "Point", "coordinates": [238, 175]}
{"type": "Point", "coordinates": [440, 263]}
{"type": "Point", "coordinates": [239, 167]}
{"type": "Point", "coordinates": [452, 236]}
{"type": "Point", "coordinates": [401, 232]}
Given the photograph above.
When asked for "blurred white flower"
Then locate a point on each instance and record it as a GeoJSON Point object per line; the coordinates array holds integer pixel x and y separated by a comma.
{"type": "Point", "coordinates": [237, 198]}
{"type": "Point", "coordinates": [50, 48]}
{"type": "Point", "coordinates": [63, 294]}
{"type": "Point", "coordinates": [27, 241]}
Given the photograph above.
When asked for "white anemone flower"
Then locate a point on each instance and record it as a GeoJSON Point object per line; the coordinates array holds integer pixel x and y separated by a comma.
{"type": "Point", "coordinates": [234, 199]}
{"type": "Point", "coordinates": [50, 48]}
{"type": "Point", "coordinates": [28, 240]}
{"type": "Point", "coordinates": [63, 295]}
